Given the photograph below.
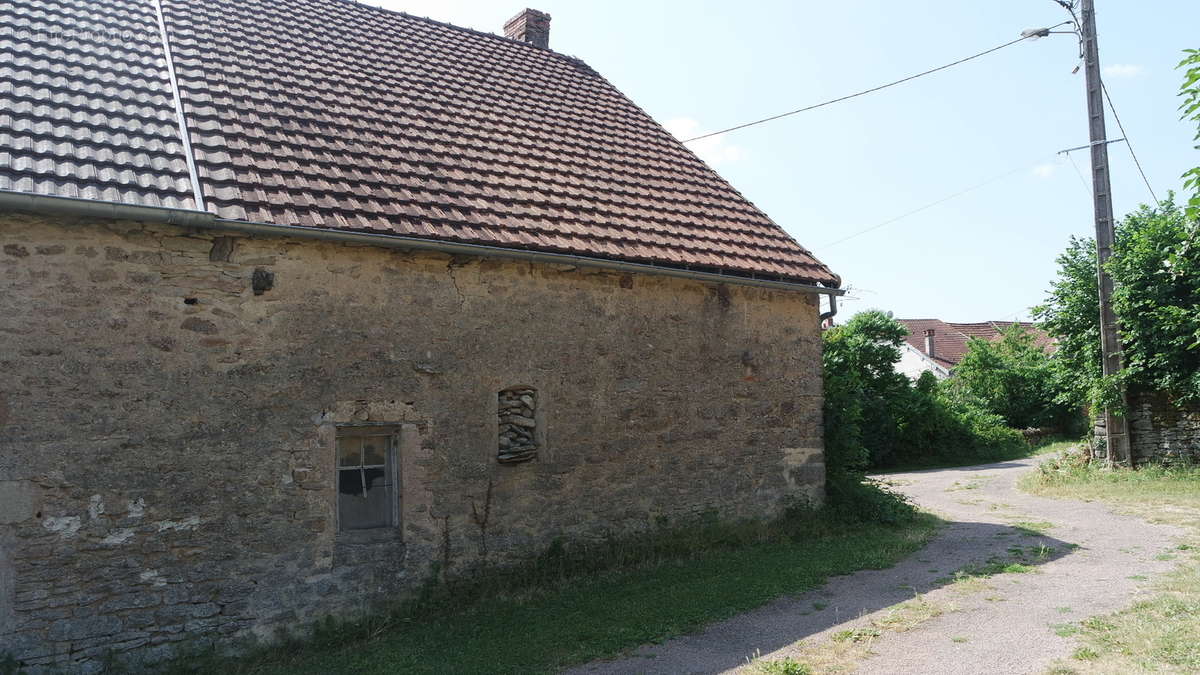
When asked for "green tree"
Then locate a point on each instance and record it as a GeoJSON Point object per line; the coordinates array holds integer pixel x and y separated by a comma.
{"type": "Point", "coordinates": [874, 416]}
{"type": "Point", "coordinates": [861, 383]}
{"type": "Point", "coordinates": [1071, 314]}
{"type": "Point", "coordinates": [1156, 273]}
{"type": "Point", "coordinates": [1013, 377]}
{"type": "Point", "coordinates": [1157, 300]}
{"type": "Point", "coordinates": [1189, 91]}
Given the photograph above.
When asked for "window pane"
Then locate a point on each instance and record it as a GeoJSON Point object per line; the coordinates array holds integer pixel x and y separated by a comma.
{"type": "Point", "coordinates": [372, 510]}
{"type": "Point", "coordinates": [348, 450]}
{"type": "Point", "coordinates": [374, 450]}
{"type": "Point", "coordinates": [379, 507]}
{"type": "Point", "coordinates": [376, 478]}
{"type": "Point", "coordinates": [350, 482]}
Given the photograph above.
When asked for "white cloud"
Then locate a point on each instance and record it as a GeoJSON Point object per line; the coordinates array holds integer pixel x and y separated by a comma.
{"type": "Point", "coordinates": [1044, 170]}
{"type": "Point", "coordinates": [715, 150]}
{"type": "Point", "coordinates": [1122, 70]}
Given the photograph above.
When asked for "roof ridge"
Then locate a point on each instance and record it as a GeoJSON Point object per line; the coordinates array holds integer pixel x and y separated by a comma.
{"type": "Point", "coordinates": [467, 29]}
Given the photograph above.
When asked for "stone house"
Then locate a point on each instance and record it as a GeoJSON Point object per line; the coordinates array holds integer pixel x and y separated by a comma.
{"type": "Point", "coordinates": [306, 300]}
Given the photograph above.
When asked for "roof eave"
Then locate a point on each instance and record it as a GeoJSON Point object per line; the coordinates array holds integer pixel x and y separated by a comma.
{"type": "Point", "coordinates": [38, 203]}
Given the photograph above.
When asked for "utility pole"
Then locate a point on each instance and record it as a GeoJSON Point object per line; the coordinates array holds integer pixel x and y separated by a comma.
{"type": "Point", "coordinates": [1116, 430]}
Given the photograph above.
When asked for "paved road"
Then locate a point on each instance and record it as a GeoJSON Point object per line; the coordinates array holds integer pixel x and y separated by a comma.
{"type": "Point", "coordinates": [1093, 562]}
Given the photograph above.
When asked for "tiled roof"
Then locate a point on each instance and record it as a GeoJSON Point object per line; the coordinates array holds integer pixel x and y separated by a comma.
{"type": "Point", "coordinates": [950, 339]}
{"type": "Point", "coordinates": [949, 345]}
{"type": "Point", "coordinates": [334, 114]}
{"type": "Point", "coordinates": [85, 104]}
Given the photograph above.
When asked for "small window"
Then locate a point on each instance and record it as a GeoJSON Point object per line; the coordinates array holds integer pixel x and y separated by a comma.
{"type": "Point", "coordinates": [366, 481]}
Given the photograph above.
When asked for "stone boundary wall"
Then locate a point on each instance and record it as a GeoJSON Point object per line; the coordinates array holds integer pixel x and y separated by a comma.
{"type": "Point", "coordinates": [172, 396]}
{"type": "Point", "coordinates": [1163, 432]}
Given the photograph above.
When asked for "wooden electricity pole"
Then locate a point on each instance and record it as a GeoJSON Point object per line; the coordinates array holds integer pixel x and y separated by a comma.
{"type": "Point", "coordinates": [1116, 430]}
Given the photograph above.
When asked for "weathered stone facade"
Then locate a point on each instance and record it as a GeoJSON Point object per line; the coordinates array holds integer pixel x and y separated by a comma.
{"type": "Point", "coordinates": [171, 399]}
{"type": "Point", "coordinates": [1160, 431]}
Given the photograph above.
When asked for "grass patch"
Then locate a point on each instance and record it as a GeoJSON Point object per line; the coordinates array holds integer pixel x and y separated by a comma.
{"type": "Point", "coordinates": [1158, 634]}
{"type": "Point", "coordinates": [577, 617]}
{"type": "Point", "coordinates": [909, 615]}
{"type": "Point", "coordinates": [863, 634]}
{"type": "Point", "coordinates": [1169, 495]}
{"type": "Point", "coordinates": [1064, 629]}
{"type": "Point", "coordinates": [1033, 528]}
{"type": "Point", "coordinates": [845, 648]}
{"type": "Point", "coordinates": [783, 667]}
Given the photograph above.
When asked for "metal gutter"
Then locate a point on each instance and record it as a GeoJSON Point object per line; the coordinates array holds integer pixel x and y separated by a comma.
{"type": "Point", "coordinates": [24, 201]}
{"type": "Point", "coordinates": [395, 241]}
{"type": "Point", "coordinates": [28, 201]}
{"type": "Point", "coordinates": [184, 137]}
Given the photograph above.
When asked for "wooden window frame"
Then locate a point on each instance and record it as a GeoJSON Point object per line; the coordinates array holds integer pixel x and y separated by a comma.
{"type": "Point", "coordinates": [391, 466]}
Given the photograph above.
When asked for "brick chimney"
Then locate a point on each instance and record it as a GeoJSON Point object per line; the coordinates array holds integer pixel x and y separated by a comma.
{"type": "Point", "coordinates": [529, 26]}
{"type": "Point", "coordinates": [929, 342]}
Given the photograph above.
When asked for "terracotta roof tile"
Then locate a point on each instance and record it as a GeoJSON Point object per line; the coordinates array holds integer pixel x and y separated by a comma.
{"type": "Point", "coordinates": [950, 339]}
{"type": "Point", "coordinates": [334, 114]}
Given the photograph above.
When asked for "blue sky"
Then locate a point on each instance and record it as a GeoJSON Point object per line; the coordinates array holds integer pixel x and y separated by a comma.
{"type": "Point", "coordinates": [827, 174]}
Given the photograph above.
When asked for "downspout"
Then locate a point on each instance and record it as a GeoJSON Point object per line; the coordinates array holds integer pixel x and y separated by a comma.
{"type": "Point", "coordinates": [826, 316]}
{"type": "Point", "coordinates": [24, 201]}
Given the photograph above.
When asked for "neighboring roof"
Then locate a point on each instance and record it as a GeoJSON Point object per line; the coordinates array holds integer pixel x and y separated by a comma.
{"type": "Point", "coordinates": [949, 345]}
{"type": "Point", "coordinates": [950, 339]}
{"type": "Point", "coordinates": [334, 114]}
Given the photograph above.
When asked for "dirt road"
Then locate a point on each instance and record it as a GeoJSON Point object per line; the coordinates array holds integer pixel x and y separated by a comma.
{"type": "Point", "coordinates": [1066, 561]}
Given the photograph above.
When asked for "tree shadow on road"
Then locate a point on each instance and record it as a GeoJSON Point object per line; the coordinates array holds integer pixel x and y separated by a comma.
{"type": "Point", "coordinates": [964, 550]}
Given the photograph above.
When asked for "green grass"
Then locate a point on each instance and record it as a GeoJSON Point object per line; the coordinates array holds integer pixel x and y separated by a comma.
{"type": "Point", "coordinates": [1064, 629]}
{"type": "Point", "coordinates": [1162, 632]}
{"type": "Point", "coordinates": [1168, 495]}
{"type": "Point", "coordinates": [782, 667]}
{"type": "Point", "coordinates": [1032, 528]}
{"type": "Point", "coordinates": [589, 617]}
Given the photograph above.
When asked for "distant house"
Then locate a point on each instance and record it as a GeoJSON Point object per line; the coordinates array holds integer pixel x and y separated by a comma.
{"type": "Point", "coordinates": [937, 346]}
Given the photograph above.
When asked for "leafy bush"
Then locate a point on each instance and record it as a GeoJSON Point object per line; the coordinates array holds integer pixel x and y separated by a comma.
{"type": "Point", "coordinates": [875, 417]}
{"type": "Point", "coordinates": [1013, 377]}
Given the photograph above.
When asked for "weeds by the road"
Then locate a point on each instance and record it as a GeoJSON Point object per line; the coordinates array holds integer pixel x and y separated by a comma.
{"type": "Point", "coordinates": [846, 647]}
{"type": "Point", "coordinates": [783, 667]}
{"type": "Point", "coordinates": [1158, 634]}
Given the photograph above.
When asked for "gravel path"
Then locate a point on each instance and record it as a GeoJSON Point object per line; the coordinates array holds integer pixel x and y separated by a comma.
{"type": "Point", "coordinates": [1093, 562]}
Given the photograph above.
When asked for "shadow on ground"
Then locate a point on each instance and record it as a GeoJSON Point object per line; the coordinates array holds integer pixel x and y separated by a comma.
{"type": "Point", "coordinates": [963, 547]}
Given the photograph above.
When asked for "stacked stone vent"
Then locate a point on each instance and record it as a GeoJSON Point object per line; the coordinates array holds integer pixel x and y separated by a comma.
{"type": "Point", "coordinates": [517, 410]}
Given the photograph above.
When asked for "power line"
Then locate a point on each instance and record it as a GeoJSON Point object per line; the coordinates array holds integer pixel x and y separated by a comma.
{"type": "Point", "coordinates": [1128, 143]}
{"type": "Point", "coordinates": [1082, 181]}
{"type": "Point", "coordinates": [930, 205]}
{"type": "Point", "coordinates": [868, 91]}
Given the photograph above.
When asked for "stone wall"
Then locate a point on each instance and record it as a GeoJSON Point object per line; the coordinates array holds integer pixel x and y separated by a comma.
{"type": "Point", "coordinates": [171, 399]}
{"type": "Point", "coordinates": [1163, 432]}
